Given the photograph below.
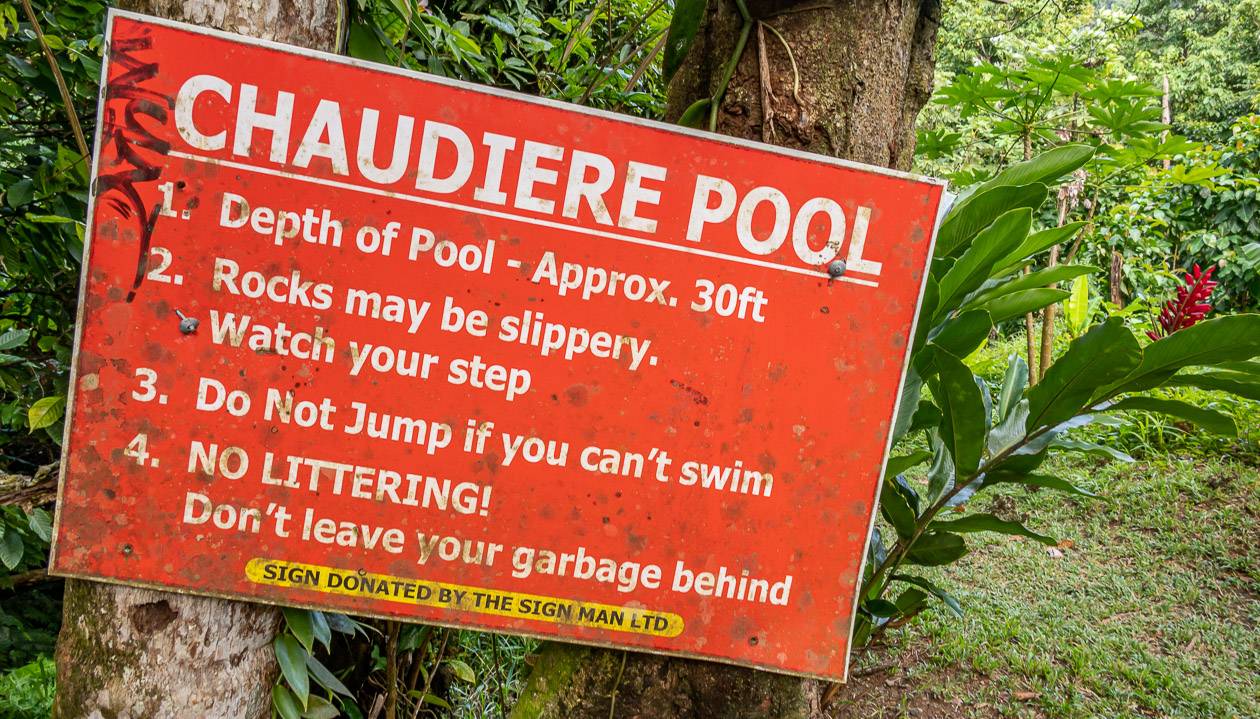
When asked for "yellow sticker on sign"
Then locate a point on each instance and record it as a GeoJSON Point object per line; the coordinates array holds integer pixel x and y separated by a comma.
{"type": "Point", "coordinates": [479, 600]}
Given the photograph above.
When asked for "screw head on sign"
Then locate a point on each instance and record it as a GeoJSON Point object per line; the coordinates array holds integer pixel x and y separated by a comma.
{"type": "Point", "coordinates": [187, 325]}
{"type": "Point", "coordinates": [836, 268]}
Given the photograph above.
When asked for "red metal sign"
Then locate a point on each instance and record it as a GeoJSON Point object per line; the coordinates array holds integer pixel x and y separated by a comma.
{"type": "Point", "coordinates": [360, 339]}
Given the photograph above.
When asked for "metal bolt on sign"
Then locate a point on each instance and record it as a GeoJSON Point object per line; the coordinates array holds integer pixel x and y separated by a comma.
{"type": "Point", "coordinates": [836, 268]}
{"type": "Point", "coordinates": [187, 325]}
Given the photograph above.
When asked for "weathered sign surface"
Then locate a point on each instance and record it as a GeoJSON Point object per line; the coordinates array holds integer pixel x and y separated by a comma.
{"type": "Point", "coordinates": [364, 340]}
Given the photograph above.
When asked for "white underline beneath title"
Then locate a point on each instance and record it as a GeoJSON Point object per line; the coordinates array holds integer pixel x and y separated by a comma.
{"type": "Point", "coordinates": [551, 224]}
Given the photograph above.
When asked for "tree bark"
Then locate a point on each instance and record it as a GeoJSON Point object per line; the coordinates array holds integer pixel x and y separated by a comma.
{"type": "Point", "coordinates": [136, 653]}
{"type": "Point", "coordinates": [865, 70]}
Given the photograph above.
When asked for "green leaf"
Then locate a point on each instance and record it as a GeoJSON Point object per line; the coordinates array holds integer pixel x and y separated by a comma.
{"type": "Point", "coordinates": [1234, 383]}
{"type": "Point", "coordinates": [1041, 278]}
{"type": "Point", "coordinates": [926, 416]}
{"type": "Point", "coordinates": [11, 549]}
{"type": "Point", "coordinates": [1102, 355]}
{"type": "Point", "coordinates": [320, 708]}
{"type": "Point", "coordinates": [20, 192]}
{"type": "Point", "coordinates": [881, 608]}
{"type": "Point", "coordinates": [1013, 385]}
{"type": "Point", "coordinates": [46, 412]}
{"type": "Point", "coordinates": [682, 31]}
{"type": "Point", "coordinates": [932, 589]}
{"type": "Point", "coordinates": [429, 698]}
{"type": "Point", "coordinates": [286, 706]}
{"type": "Point", "coordinates": [990, 523]}
{"type": "Point", "coordinates": [941, 473]}
{"type": "Point", "coordinates": [1211, 420]}
{"type": "Point", "coordinates": [980, 210]}
{"type": "Point", "coordinates": [975, 264]}
{"type": "Point", "coordinates": [1221, 339]}
{"type": "Point", "coordinates": [934, 549]}
{"type": "Point", "coordinates": [898, 465]}
{"type": "Point", "coordinates": [462, 670]}
{"type": "Point", "coordinates": [1092, 448]}
{"type": "Point", "coordinates": [324, 677]}
{"type": "Point", "coordinates": [299, 621]}
{"type": "Point", "coordinates": [1036, 243]}
{"type": "Point", "coordinates": [323, 632]}
{"type": "Point", "coordinates": [1045, 168]}
{"type": "Point", "coordinates": [694, 115]}
{"type": "Point", "coordinates": [292, 659]}
{"type": "Point", "coordinates": [908, 403]}
{"type": "Point", "coordinates": [13, 338]}
{"type": "Point", "coordinates": [965, 424]}
{"type": "Point", "coordinates": [896, 510]}
{"type": "Point", "coordinates": [1076, 306]}
{"type": "Point", "coordinates": [41, 524]}
{"type": "Point", "coordinates": [911, 602]}
{"type": "Point", "coordinates": [1043, 481]}
{"type": "Point", "coordinates": [961, 335]}
{"type": "Point", "coordinates": [1018, 304]}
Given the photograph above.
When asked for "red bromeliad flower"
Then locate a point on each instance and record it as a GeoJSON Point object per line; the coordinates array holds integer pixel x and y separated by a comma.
{"type": "Point", "coordinates": [1190, 306]}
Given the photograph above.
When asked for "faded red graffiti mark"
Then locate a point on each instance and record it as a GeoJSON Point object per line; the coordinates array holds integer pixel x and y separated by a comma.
{"type": "Point", "coordinates": [126, 101]}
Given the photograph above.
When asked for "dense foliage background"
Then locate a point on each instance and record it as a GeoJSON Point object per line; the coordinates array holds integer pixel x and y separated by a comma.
{"type": "Point", "coordinates": [1015, 79]}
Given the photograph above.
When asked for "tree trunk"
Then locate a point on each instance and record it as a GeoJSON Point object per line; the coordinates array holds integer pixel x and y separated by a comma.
{"type": "Point", "coordinates": [125, 652]}
{"type": "Point", "coordinates": [865, 70]}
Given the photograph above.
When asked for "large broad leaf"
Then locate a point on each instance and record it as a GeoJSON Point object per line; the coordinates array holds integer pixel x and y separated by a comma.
{"type": "Point", "coordinates": [936, 548]}
{"type": "Point", "coordinates": [1013, 385]}
{"type": "Point", "coordinates": [972, 270]}
{"type": "Point", "coordinates": [896, 510]}
{"type": "Point", "coordinates": [320, 708]}
{"type": "Point", "coordinates": [1222, 339]}
{"type": "Point", "coordinates": [299, 621]}
{"type": "Point", "coordinates": [1043, 481]}
{"type": "Point", "coordinates": [1106, 353]}
{"type": "Point", "coordinates": [911, 391]}
{"type": "Point", "coordinates": [324, 676]}
{"type": "Point", "coordinates": [1045, 168]}
{"type": "Point", "coordinates": [974, 266]}
{"type": "Point", "coordinates": [11, 549]}
{"type": "Point", "coordinates": [941, 473]}
{"type": "Point", "coordinates": [965, 423]}
{"type": "Point", "coordinates": [961, 335]}
{"type": "Point", "coordinates": [13, 338]}
{"type": "Point", "coordinates": [1018, 304]}
{"type": "Point", "coordinates": [1076, 307]}
{"type": "Point", "coordinates": [41, 524]}
{"type": "Point", "coordinates": [682, 31]}
{"type": "Point", "coordinates": [1210, 420]}
{"type": "Point", "coordinates": [292, 660]}
{"type": "Point", "coordinates": [46, 411]}
{"type": "Point", "coordinates": [1038, 242]}
{"type": "Point", "coordinates": [980, 210]}
{"type": "Point", "coordinates": [990, 523]}
{"type": "Point", "coordinates": [461, 670]}
{"type": "Point", "coordinates": [1231, 382]}
{"type": "Point", "coordinates": [898, 465]}
{"type": "Point", "coordinates": [323, 632]}
{"type": "Point", "coordinates": [284, 702]}
{"type": "Point", "coordinates": [927, 310]}
{"type": "Point", "coordinates": [1033, 280]}
{"type": "Point", "coordinates": [932, 589]}
{"type": "Point", "coordinates": [1091, 448]}
{"type": "Point", "coordinates": [1010, 428]}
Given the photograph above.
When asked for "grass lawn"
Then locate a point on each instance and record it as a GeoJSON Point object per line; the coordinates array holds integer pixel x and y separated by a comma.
{"type": "Point", "coordinates": [1151, 611]}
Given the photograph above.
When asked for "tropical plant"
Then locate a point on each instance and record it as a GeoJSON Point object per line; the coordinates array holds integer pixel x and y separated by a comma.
{"type": "Point", "coordinates": [978, 437]}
